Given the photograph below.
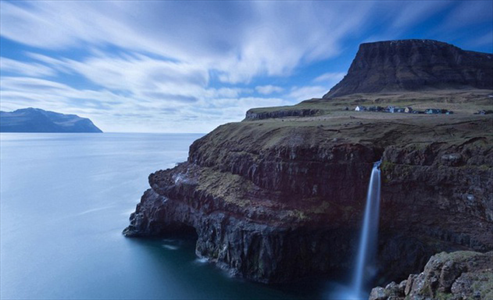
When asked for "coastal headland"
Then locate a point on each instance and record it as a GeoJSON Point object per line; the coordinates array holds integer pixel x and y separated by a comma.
{"type": "Point", "coordinates": [280, 195]}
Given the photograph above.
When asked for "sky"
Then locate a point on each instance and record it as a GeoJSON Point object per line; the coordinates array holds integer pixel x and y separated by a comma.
{"type": "Point", "coordinates": [190, 66]}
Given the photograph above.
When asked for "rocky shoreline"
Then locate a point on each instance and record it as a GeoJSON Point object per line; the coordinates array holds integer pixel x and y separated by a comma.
{"type": "Point", "coordinates": [454, 276]}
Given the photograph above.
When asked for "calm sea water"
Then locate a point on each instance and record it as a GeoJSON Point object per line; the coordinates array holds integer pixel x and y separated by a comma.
{"type": "Point", "coordinates": [65, 199]}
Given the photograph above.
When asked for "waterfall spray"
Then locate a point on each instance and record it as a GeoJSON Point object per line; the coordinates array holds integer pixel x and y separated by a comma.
{"type": "Point", "coordinates": [365, 263]}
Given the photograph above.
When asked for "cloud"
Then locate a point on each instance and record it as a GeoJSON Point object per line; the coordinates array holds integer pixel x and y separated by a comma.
{"type": "Point", "coordinates": [406, 14]}
{"type": "Point", "coordinates": [330, 79]}
{"type": "Point", "coordinates": [331, 76]}
{"type": "Point", "coordinates": [268, 89]}
{"type": "Point", "coordinates": [225, 92]}
{"type": "Point", "coordinates": [29, 69]}
{"type": "Point", "coordinates": [484, 40]}
{"type": "Point", "coordinates": [14, 88]}
{"type": "Point", "coordinates": [274, 46]}
{"type": "Point", "coordinates": [307, 92]}
{"type": "Point", "coordinates": [139, 72]}
{"type": "Point", "coordinates": [143, 77]}
{"type": "Point", "coordinates": [468, 12]}
{"type": "Point", "coordinates": [239, 40]}
{"type": "Point", "coordinates": [170, 97]}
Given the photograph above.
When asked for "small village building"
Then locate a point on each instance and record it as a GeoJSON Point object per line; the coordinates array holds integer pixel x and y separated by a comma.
{"type": "Point", "coordinates": [433, 111]}
{"type": "Point", "coordinates": [394, 109]}
{"type": "Point", "coordinates": [375, 108]}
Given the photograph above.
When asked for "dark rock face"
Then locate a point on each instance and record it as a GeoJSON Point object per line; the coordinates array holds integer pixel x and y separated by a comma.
{"type": "Point", "coordinates": [456, 275]}
{"type": "Point", "coordinates": [260, 214]}
{"type": "Point", "coordinates": [255, 250]}
{"type": "Point", "coordinates": [410, 65]}
{"type": "Point", "coordinates": [273, 204]}
{"type": "Point", "coordinates": [456, 179]}
{"type": "Point", "coordinates": [38, 120]}
{"type": "Point", "coordinates": [253, 114]}
{"type": "Point", "coordinates": [441, 192]}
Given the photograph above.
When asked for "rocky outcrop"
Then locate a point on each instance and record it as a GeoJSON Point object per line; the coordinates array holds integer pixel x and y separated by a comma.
{"type": "Point", "coordinates": [38, 120]}
{"type": "Point", "coordinates": [454, 276]}
{"type": "Point", "coordinates": [259, 114]}
{"type": "Point", "coordinates": [257, 208]}
{"type": "Point", "coordinates": [413, 65]}
{"type": "Point", "coordinates": [276, 202]}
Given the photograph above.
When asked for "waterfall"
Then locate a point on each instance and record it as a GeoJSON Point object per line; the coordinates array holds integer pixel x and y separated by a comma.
{"type": "Point", "coordinates": [365, 264]}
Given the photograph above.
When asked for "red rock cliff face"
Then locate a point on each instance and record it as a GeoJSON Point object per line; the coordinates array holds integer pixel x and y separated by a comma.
{"type": "Point", "coordinates": [275, 203]}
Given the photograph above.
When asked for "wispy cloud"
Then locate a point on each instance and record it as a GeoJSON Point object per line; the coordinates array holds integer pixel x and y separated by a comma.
{"type": "Point", "coordinates": [484, 40]}
{"type": "Point", "coordinates": [407, 13]}
{"type": "Point", "coordinates": [268, 89]}
{"type": "Point", "coordinates": [144, 77]}
{"type": "Point", "coordinates": [307, 92]}
{"type": "Point", "coordinates": [239, 40]}
{"type": "Point", "coordinates": [330, 79]}
{"type": "Point", "coordinates": [467, 13]}
{"type": "Point", "coordinates": [28, 69]}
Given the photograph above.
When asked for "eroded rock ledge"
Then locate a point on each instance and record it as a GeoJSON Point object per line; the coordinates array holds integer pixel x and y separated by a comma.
{"type": "Point", "coordinates": [276, 201]}
{"type": "Point", "coordinates": [454, 276]}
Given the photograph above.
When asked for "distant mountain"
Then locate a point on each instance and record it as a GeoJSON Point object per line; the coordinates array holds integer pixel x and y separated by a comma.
{"type": "Point", "coordinates": [414, 65]}
{"type": "Point", "coordinates": [38, 120]}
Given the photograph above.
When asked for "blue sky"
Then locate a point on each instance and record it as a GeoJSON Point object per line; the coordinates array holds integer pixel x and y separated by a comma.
{"type": "Point", "coordinates": [189, 66]}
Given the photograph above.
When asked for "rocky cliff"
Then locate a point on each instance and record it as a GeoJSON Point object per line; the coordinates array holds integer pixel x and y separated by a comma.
{"type": "Point", "coordinates": [281, 112]}
{"type": "Point", "coordinates": [454, 276]}
{"type": "Point", "coordinates": [274, 201]}
{"type": "Point", "coordinates": [410, 65]}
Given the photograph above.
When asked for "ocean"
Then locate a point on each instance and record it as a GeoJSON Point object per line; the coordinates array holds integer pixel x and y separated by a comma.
{"type": "Point", "coordinates": [65, 199]}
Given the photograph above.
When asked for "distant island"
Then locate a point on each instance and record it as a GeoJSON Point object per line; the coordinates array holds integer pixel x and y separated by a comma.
{"type": "Point", "coordinates": [38, 120]}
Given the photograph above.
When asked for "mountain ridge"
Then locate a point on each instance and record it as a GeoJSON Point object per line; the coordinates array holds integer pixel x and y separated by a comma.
{"type": "Point", "coordinates": [39, 120]}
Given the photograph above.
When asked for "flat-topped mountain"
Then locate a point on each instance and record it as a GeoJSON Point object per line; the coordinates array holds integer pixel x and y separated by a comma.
{"type": "Point", "coordinates": [38, 120]}
{"type": "Point", "coordinates": [414, 65]}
